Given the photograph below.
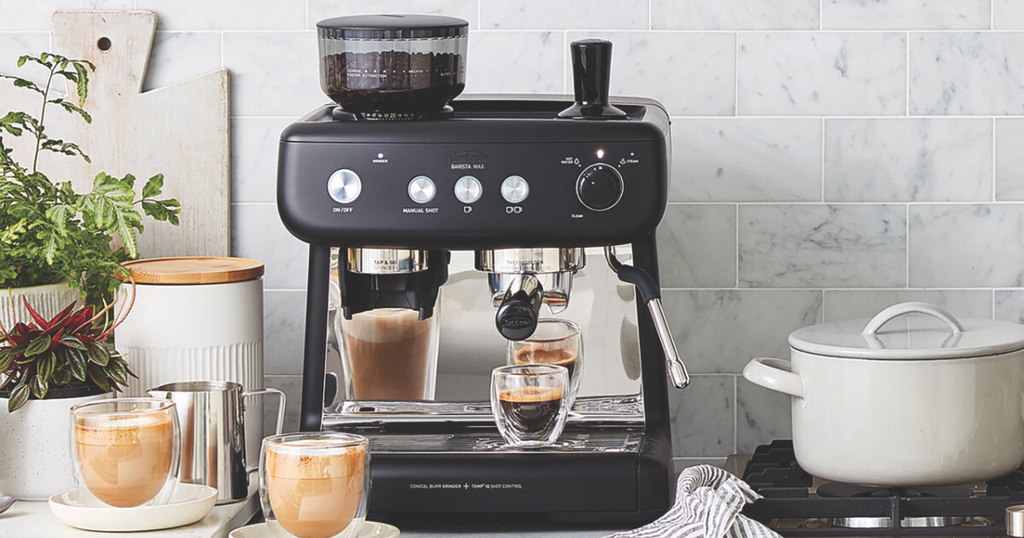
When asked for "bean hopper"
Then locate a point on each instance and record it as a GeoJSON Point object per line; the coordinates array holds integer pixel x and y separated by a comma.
{"type": "Point", "coordinates": [458, 223]}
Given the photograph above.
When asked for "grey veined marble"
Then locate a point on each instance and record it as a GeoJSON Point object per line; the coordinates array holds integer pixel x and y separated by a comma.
{"type": "Point", "coordinates": [959, 245]}
{"type": "Point", "coordinates": [967, 73]}
{"type": "Point", "coordinates": [906, 14]}
{"type": "Point", "coordinates": [822, 246]}
{"type": "Point", "coordinates": [850, 74]}
{"type": "Point", "coordinates": [908, 160]}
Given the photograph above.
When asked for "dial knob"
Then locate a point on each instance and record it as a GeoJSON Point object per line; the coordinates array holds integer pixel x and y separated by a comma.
{"type": "Point", "coordinates": [515, 189]}
{"type": "Point", "coordinates": [599, 187]}
{"type": "Point", "coordinates": [468, 189]}
{"type": "Point", "coordinates": [422, 189]}
{"type": "Point", "coordinates": [344, 186]}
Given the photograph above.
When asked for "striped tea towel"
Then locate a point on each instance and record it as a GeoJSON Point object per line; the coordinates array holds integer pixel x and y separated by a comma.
{"type": "Point", "coordinates": [708, 504]}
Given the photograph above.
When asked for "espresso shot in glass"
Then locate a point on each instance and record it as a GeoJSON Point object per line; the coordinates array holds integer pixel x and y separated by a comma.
{"type": "Point", "coordinates": [556, 342]}
{"type": "Point", "coordinates": [530, 403]}
{"type": "Point", "coordinates": [315, 485]}
{"type": "Point", "coordinates": [125, 452]}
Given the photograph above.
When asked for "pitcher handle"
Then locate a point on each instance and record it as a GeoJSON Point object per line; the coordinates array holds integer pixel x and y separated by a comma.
{"type": "Point", "coordinates": [280, 407]}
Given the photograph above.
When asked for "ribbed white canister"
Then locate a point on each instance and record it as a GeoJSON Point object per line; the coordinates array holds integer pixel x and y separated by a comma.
{"type": "Point", "coordinates": [197, 319]}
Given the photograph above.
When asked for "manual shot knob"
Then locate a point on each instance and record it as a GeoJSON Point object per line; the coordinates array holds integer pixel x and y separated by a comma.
{"type": "Point", "coordinates": [599, 187]}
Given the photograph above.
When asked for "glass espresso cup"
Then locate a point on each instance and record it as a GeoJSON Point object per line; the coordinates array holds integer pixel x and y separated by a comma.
{"type": "Point", "coordinates": [530, 403]}
{"type": "Point", "coordinates": [125, 451]}
{"type": "Point", "coordinates": [557, 342]}
{"type": "Point", "coordinates": [314, 485]}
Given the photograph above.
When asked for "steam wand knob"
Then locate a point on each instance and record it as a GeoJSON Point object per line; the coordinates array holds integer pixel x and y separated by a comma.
{"type": "Point", "coordinates": [591, 75]}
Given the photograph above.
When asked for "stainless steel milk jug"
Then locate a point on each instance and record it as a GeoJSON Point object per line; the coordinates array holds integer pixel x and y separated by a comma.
{"type": "Point", "coordinates": [213, 434]}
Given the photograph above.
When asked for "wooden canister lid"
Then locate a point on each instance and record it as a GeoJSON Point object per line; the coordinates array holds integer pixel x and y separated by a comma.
{"type": "Point", "coordinates": [194, 270]}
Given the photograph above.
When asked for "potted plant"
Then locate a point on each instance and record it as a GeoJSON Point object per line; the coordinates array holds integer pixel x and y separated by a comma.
{"type": "Point", "coordinates": [68, 246]}
{"type": "Point", "coordinates": [60, 362]}
{"type": "Point", "coordinates": [50, 235]}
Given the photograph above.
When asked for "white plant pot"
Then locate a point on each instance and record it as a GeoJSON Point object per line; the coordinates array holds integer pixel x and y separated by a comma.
{"type": "Point", "coordinates": [35, 461]}
{"type": "Point", "coordinates": [46, 300]}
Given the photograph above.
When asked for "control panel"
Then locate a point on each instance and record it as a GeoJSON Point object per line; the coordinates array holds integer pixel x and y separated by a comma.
{"type": "Point", "coordinates": [473, 195]}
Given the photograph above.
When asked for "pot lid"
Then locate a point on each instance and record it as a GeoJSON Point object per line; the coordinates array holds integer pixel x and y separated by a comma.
{"type": "Point", "coordinates": [870, 339]}
{"type": "Point", "coordinates": [194, 270]}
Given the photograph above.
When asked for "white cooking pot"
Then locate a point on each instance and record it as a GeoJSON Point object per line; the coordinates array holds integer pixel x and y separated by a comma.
{"type": "Point", "coordinates": [909, 407]}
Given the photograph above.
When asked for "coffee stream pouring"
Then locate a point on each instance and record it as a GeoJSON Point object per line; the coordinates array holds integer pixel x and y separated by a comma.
{"type": "Point", "coordinates": [440, 232]}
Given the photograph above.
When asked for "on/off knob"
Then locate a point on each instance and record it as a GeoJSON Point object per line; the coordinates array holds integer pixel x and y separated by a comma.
{"type": "Point", "coordinates": [599, 187]}
{"type": "Point", "coordinates": [422, 189]}
{"type": "Point", "coordinates": [344, 186]}
{"type": "Point", "coordinates": [514, 189]}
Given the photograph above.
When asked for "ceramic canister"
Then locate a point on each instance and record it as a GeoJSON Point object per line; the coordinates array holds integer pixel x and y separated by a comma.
{"type": "Point", "coordinates": [196, 319]}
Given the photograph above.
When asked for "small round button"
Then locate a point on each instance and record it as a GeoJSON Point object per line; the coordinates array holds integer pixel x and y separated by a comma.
{"type": "Point", "coordinates": [599, 187]}
{"type": "Point", "coordinates": [344, 186]}
{"type": "Point", "coordinates": [421, 189]}
{"type": "Point", "coordinates": [468, 189]}
{"type": "Point", "coordinates": [515, 189]}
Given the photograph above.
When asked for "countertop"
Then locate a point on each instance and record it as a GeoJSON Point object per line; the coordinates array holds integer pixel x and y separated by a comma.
{"type": "Point", "coordinates": [33, 518]}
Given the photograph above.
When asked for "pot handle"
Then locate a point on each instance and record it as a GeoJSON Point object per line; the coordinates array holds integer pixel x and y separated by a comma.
{"type": "Point", "coordinates": [280, 405]}
{"type": "Point", "coordinates": [897, 310]}
{"type": "Point", "coordinates": [774, 374]}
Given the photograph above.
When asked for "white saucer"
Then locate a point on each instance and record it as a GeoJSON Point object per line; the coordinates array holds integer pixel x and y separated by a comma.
{"type": "Point", "coordinates": [371, 529]}
{"type": "Point", "coordinates": [189, 503]}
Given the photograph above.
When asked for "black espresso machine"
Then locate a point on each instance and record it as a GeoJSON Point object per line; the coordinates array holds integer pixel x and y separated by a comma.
{"type": "Point", "coordinates": [477, 217]}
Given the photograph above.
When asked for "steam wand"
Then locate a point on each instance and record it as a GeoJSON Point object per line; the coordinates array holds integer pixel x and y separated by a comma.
{"type": "Point", "coordinates": [651, 294]}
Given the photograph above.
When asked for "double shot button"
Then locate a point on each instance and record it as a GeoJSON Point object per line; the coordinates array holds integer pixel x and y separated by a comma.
{"type": "Point", "coordinates": [514, 189]}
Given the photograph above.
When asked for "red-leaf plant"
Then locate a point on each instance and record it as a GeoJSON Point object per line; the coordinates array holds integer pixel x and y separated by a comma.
{"type": "Point", "coordinates": [63, 352]}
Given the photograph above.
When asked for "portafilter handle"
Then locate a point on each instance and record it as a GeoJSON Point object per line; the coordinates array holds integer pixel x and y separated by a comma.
{"type": "Point", "coordinates": [520, 308]}
{"type": "Point", "coordinates": [651, 294]}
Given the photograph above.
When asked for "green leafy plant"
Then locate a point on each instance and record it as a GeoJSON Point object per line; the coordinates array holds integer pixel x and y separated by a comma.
{"type": "Point", "coordinates": [50, 233]}
{"type": "Point", "coordinates": [63, 352]}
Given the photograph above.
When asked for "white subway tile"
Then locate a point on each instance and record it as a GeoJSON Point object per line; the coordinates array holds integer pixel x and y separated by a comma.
{"type": "Point", "coordinates": [327, 9]}
{"type": "Point", "coordinates": [855, 74]}
{"type": "Point", "coordinates": [255, 144]}
{"type": "Point", "coordinates": [690, 73]}
{"type": "Point", "coordinates": [273, 73]}
{"type": "Point", "coordinates": [284, 321]}
{"type": "Point", "coordinates": [564, 14]}
{"type": "Point", "coordinates": [177, 56]}
{"type": "Point", "coordinates": [719, 331]}
{"type": "Point", "coordinates": [1009, 159]}
{"type": "Point", "coordinates": [735, 15]}
{"type": "Point", "coordinates": [15, 45]}
{"type": "Point", "coordinates": [905, 14]}
{"type": "Point", "coordinates": [822, 246]}
{"type": "Point", "coordinates": [227, 14]}
{"type": "Point", "coordinates": [1009, 305]}
{"type": "Point", "coordinates": [697, 246]}
{"type": "Point", "coordinates": [908, 160]}
{"type": "Point", "coordinates": [29, 15]}
{"type": "Point", "coordinates": [763, 415]}
{"type": "Point", "coordinates": [702, 416]}
{"type": "Point", "coordinates": [516, 62]}
{"type": "Point", "coordinates": [966, 73]}
{"type": "Point", "coordinates": [258, 234]}
{"type": "Point", "coordinates": [1008, 14]}
{"type": "Point", "coordinates": [746, 160]}
{"type": "Point", "coordinates": [966, 245]}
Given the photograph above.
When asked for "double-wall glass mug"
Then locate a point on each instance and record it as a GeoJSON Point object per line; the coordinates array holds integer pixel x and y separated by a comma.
{"type": "Point", "coordinates": [556, 342]}
{"type": "Point", "coordinates": [125, 452]}
{"type": "Point", "coordinates": [530, 403]}
{"type": "Point", "coordinates": [315, 485]}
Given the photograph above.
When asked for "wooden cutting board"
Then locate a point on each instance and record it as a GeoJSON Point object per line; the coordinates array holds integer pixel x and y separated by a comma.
{"type": "Point", "coordinates": [180, 130]}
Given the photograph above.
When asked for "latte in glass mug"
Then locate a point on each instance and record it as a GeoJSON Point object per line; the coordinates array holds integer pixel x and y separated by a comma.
{"type": "Point", "coordinates": [314, 485]}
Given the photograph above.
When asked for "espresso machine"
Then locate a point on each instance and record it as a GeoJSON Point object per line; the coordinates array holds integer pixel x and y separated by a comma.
{"type": "Point", "coordinates": [481, 215]}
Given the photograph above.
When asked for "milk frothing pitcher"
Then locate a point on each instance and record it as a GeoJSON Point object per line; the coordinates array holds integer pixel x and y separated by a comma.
{"type": "Point", "coordinates": [213, 434]}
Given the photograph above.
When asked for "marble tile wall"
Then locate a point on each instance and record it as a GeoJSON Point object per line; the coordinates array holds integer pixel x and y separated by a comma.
{"type": "Point", "coordinates": [830, 157]}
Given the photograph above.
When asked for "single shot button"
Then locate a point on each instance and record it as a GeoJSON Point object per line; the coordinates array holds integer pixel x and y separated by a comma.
{"type": "Point", "coordinates": [468, 189]}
